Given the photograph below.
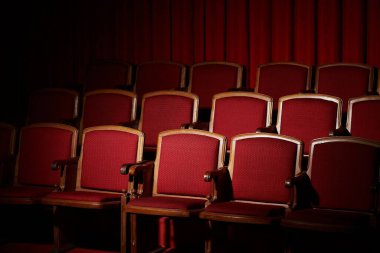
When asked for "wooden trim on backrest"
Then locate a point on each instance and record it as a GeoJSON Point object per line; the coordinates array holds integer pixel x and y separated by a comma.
{"type": "Point", "coordinates": [192, 96]}
{"type": "Point", "coordinates": [253, 95]}
{"type": "Point", "coordinates": [353, 101]}
{"type": "Point", "coordinates": [139, 154]}
{"type": "Point", "coordinates": [309, 72]}
{"type": "Point", "coordinates": [239, 67]}
{"type": "Point", "coordinates": [364, 66]}
{"type": "Point", "coordinates": [74, 139]}
{"type": "Point", "coordinates": [183, 71]}
{"type": "Point", "coordinates": [333, 99]}
{"type": "Point", "coordinates": [221, 156]}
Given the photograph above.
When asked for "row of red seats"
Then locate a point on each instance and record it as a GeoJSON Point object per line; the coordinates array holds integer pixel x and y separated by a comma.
{"type": "Point", "coordinates": [262, 185]}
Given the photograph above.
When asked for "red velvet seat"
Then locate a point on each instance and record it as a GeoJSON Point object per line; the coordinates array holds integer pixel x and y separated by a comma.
{"type": "Point", "coordinates": [343, 173]}
{"type": "Point", "coordinates": [344, 80]}
{"type": "Point", "coordinates": [251, 188]}
{"type": "Point", "coordinates": [108, 74]}
{"type": "Point", "coordinates": [159, 75]}
{"type": "Point", "coordinates": [363, 117]}
{"type": "Point", "coordinates": [165, 110]}
{"type": "Point", "coordinates": [39, 146]}
{"type": "Point", "coordinates": [210, 78]}
{"type": "Point", "coordinates": [178, 189]}
{"type": "Point", "coordinates": [278, 79]}
{"type": "Point", "coordinates": [53, 105]}
{"type": "Point", "coordinates": [7, 155]}
{"type": "Point", "coordinates": [99, 184]}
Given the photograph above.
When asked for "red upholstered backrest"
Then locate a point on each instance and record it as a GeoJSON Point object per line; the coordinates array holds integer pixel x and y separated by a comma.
{"type": "Point", "coordinates": [184, 156]}
{"type": "Point", "coordinates": [7, 140]}
{"type": "Point", "coordinates": [52, 105]}
{"type": "Point", "coordinates": [155, 76]}
{"type": "Point", "coordinates": [166, 110]}
{"type": "Point", "coordinates": [281, 79]}
{"type": "Point", "coordinates": [208, 79]}
{"type": "Point", "coordinates": [107, 75]}
{"type": "Point", "coordinates": [108, 107]}
{"type": "Point", "coordinates": [343, 171]}
{"type": "Point", "coordinates": [39, 146]}
{"type": "Point", "coordinates": [239, 112]}
{"type": "Point", "coordinates": [308, 117]}
{"type": "Point", "coordinates": [364, 117]}
{"type": "Point", "coordinates": [104, 150]}
{"type": "Point", "coordinates": [260, 164]}
{"type": "Point", "coordinates": [344, 80]}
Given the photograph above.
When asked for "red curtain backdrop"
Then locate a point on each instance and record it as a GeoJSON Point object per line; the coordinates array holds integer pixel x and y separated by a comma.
{"type": "Point", "coordinates": [62, 37]}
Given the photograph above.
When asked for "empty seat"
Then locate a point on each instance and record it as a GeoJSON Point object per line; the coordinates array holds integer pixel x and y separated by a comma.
{"type": "Point", "coordinates": [159, 75]}
{"type": "Point", "coordinates": [251, 188]}
{"type": "Point", "coordinates": [210, 78]}
{"type": "Point", "coordinates": [178, 189]}
{"type": "Point", "coordinates": [363, 117]}
{"type": "Point", "coordinates": [99, 185]}
{"type": "Point", "coordinates": [343, 183]}
{"type": "Point", "coordinates": [7, 155]}
{"type": "Point", "coordinates": [108, 74]}
{"type": "Point", "coordinates": [164, 110]}
{"type": "Point", "coordinates": [344, 80]}
{"type": "Point", "coordinates": [278, 79]}
{"type": "Point", "coordinates": [54, 105]}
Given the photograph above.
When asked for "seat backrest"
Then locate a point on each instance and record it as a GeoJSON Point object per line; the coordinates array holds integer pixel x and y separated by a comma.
{"type": "Point", "coordinates": [107, 74]}
{"type": "Point", "coordinates": [7, 140]}
{"type": "Point", "coordinates": [164, 110]}
{"type": "Point", "coordinates": [40, 145]}
{"type": "Point", "coordinates": [108, 107]}
{"type": "Point", "coordinates": [278, 79]}
{"type": "Point", "coordinates": [344, 172]}
{"type": "Point", "coordinates": [54, 105]}
{"type": "Point", "coordinates": [104, 149]}
{"type": "Point", "coordinates": [159, 75]}
{"type": "Point", "coordinates": [241, 112]}
{"type": "Point", "coordinates": [183, 156]}
{"type": "Point", "coordinates": [209, 78]}
{"type": "Point", "coordinates": [259, 165]}
{"type": "Point", "coordinates": [308, 116]}
{"type": "Point", "coordinates": [344, 80]}
{"type": "Point", "coordinates": [363, 117]}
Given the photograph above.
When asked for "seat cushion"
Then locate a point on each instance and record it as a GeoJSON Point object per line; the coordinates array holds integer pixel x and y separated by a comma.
{"type": "Point", "coordinates": [247, 209]}
{"type": "Point", "coordinates": [83, 196]}
{"type": "Point", "coordinates": [24, 192]}
{"type": "Point", "coordinates": [168, 203]}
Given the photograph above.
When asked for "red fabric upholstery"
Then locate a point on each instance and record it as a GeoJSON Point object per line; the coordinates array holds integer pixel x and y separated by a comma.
{"type": "Point", "coordinates": [169, 203]}
{"type": "Point", "coordinates": [240, 208]}
{"type": "Point", "coordinates": [104, 151]}
{"type": "Point", "coordinates": [210, 79]}
{"type": "Point", "coordinates": [237, 115]}
{"type": "Point", "coordinates": [281, 79]}
{"type": "Point", "coordinates": [155, 76]}
{"type": "Point", "coordinates": [7, 139]}
{"type": "Point", "coordinates": [107, 108]}
{"type": "Point", "coordinates": [83, 196]}
{"type": "Point", "coordinates": [107, 75]}
{"type": "Point", "coordinates": [260, 168]}
{"type": "Point", "coordinates": [183, 160]}
{"type": "Point", "coordinates": [365, 119]}
{"type": "Point", "coordinates": [344, 81]}
{"type": "Point", "coordinates": [343, 174]}
{"type": "Point", "coordinates": [163, 112]}
{"type": "Point", "coordinates": [308, 118]}
{"type": "Point", "coordinates": [52, 105]}
{"type": "Point", "coordinates": [25, 192]}
{"type": "Point", "coordinates": [39, 147]}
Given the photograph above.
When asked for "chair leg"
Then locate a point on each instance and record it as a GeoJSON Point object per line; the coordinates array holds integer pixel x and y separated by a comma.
{"type": "Point", "coordinates": [123, 230]}
{"type": "Point", "coordinates": [133, 220]}
{"type": "Point", "coordinates": [208, 240]}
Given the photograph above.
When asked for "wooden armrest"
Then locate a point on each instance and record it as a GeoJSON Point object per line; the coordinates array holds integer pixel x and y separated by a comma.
{"type": "Point", "coordinates": [64, 174]}
{"type": "Point", "coordinates": [128, 87]}
{"type": "Point", "coordinates": [132, 124]}
{"type": "Point", "coordinates": [305, 194]}
{"type": "Point", "coordinates": [308, 91]}
{"type": "Point", "coordinates": [269, 129]}
{"type": "Point", "coordinates": [202, 125]}
{"type": "Point", "coordinates": [140, 178]}
{"type": "Point", "coordinates": [223, 185]}
{"type": "Point", "coordinates": [75, 122]}
{"type": "Point", "coordinates": [341, 131]}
